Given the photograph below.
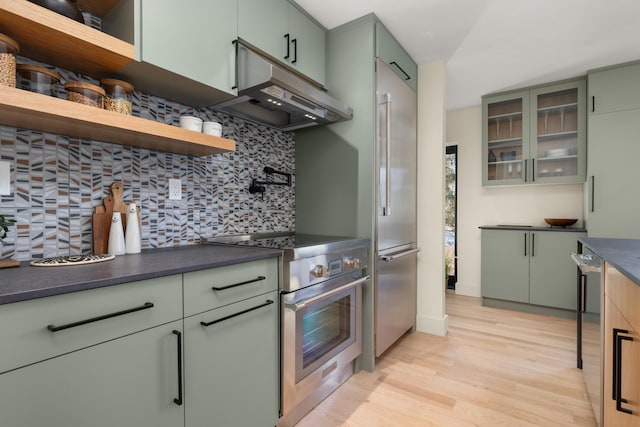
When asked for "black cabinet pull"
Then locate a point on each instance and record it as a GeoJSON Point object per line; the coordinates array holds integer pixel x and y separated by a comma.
{"type": "Point", "coordinates": [406, 76]}
{"type": "Point", "coordinates": [246, 282]}
{"type": "Point", "coordinates": [533, 244]}
{"type": "Point", "coordinates": [593, 104]}
{"type": "Point", "coordinates": [533, 170]}
{"type": "Point", "coordinates": [525, 170]}
{"type": "Point", "coordinates": [287, 38]}
{"type": "Point", "coordinates": [295, 50]}
{"type": "Point", "coordinates": [178, 400]}
{"type": "Point", "coordinates": [593, 193]}
{"type": "Point", "coordinates": [53, 328]}
{"type": "Point", "coordinates": [525, 244]}
{"type": "Point", "coordinates": [222, 319]}
{"type": "Point", "coordinates": [618, 337]}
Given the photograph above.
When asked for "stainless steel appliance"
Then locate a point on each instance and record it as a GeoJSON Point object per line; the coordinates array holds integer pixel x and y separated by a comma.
{"type": "Point", "coordinates": [395, 238]}
{"type": "Point", "coordinates": [271, 93]}
{"type": "Point", "coordinates": [321, 318]}
{"type": "Point", "coordinates": [589, 345]}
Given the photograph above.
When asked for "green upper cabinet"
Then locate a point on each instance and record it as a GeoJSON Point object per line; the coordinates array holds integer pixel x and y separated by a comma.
{"type": "Point", "coordinates": [391, 52]}
{"type": "Point", "coordinates": [192, 39]}
{"type": "Point", "coordinates": [535, 135]}
{"type": "Point", "coordinates": [184, 50]}
{"type": "Point", "coordinates": [614, 88]}
{"type": "Point", "coordinates": [505, 136]}
{"type": "Point", "coordinates": [283, 31]}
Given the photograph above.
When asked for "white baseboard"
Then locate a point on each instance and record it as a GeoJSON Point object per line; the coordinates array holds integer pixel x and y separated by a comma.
{"type": "Point", "coordinates": [432, 325]}
{"type": "Point", "coordinates": [468, 289]}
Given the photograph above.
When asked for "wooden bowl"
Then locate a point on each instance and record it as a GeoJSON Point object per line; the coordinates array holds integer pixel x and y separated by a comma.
{"type": "Point", "coordinates": [560, 222]}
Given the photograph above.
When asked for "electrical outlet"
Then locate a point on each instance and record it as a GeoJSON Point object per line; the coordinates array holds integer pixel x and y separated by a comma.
{"type": "Point", "coordinates": [5, 179]}
{"type": "Point", "coordinates": [175, 189]}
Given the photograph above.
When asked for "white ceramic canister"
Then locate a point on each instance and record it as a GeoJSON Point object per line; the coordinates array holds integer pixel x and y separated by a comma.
{"type": "Point", "coordinates": [116, 235]}
{"type": "Point", "coordinates": [191, 123]}
{"type": "Point", "coordinates": [132, 235]}
{"type": "Point", "coordinates": [212, 128]}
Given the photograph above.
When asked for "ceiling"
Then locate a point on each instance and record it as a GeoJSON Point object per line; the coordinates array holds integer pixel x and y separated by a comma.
{"type": "Point", "coordinates": [494, 45]}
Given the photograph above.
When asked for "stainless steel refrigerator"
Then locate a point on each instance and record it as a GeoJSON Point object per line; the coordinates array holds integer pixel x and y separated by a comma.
{"type": "Point", "coordinates": [395, 237]}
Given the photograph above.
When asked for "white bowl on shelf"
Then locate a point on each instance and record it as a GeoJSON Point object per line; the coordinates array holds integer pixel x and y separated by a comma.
{"type": "Point", "coordinates": [191, 123]}
{"type": "Point", "coordinates": [557, 152]}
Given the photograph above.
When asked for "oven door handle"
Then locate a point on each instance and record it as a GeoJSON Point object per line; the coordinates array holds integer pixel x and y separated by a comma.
{"type": "Point", "coordinates": [305, 303]}
{"type": "Point", "coordinates": [387, 258]}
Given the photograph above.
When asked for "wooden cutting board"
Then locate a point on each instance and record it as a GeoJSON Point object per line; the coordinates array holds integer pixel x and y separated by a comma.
{"type": "Point", "coordinates": [102, 218]}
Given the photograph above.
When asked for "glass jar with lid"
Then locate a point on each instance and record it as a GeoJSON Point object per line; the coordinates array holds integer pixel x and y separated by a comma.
{"type": "Point", "coordinates": [37, 79]}
{"type": "Point", "coordinates": [8, 50]}
{"type": "Point", "coordinates": [118, 96]}
{"type": "Point", "coordinates": [84, 93]}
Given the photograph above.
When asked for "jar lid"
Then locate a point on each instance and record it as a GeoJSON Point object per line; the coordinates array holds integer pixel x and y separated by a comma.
{"type": "Point", "coordinates": [114, 82]}
{"type": "Point", "coordinates": [11, 42]}
{"type": "Point", "coordinates": [37, 69]}
{"type": "Point", "coordinates": [73, 84]}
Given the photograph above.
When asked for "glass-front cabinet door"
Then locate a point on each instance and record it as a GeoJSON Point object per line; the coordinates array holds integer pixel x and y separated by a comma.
{"type": "Point", "coordinates": [558, 115]}
{"type": "Point", "coordinates": [535, 135]}
{"type": "Point", "coordinates": [506, 136]}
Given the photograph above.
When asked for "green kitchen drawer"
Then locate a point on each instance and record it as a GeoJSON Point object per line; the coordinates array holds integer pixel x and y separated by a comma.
{"type": "Point", "coordinates": [216, 287]}
{"type": "Point", "coordinates": [47, 327]}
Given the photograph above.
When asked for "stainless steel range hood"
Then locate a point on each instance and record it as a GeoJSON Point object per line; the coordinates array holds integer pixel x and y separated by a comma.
{"type": "Point", "coordinates": [268, 93]}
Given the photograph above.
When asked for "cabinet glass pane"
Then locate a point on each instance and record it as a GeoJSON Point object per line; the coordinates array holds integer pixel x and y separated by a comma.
{"type": "Point", "coordinates": [557, 134]}
{"type": "Point", "coordinates": [504, 134]}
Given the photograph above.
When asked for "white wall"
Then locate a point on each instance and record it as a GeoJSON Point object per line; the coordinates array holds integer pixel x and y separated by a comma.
{"type": "Point", "coordinates": [477, 205]}
{"type": "Point", "coordinates": [432, 83]}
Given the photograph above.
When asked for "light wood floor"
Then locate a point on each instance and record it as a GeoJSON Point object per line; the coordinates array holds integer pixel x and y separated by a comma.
{"type": "Point", "coordinates": [494, 368]}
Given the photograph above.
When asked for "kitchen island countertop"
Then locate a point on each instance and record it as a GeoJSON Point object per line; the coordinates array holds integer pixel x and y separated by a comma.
{"type": "Point", "coordinates": [28, 282]}
{"type": "Point", "coordinates": [623, 254]}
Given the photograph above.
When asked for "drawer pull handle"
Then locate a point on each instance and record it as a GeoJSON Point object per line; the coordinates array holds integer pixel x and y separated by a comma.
{"type": "Point", "coordinates": [178, 400]}
{"type": "Point", "coordinates": [222, 319]}
{"type": "Point", "coordinates": [53, 328]}
{"type": "Point", "coordinates": [406, 76]}
{"type": "Point", "coordinates": [246, 282]}
{"type": "Point", "coordinates": [618, 337]}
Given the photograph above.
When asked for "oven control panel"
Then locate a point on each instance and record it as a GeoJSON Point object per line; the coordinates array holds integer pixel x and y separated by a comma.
{"type": "Point", "coordinates": [308, 271]}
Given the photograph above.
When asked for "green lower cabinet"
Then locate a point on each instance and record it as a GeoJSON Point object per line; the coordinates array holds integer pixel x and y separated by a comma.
{"type": "Point", "coordinates": [231, 365]}
{"type": "Point", "coordinates": [552, 271]}
{"type": "Point", "coordinates": [531, 267]}
{"type": "Point", "coordinates": [129, 381]}
{"type": "Point", "coordinates": [505, 265]}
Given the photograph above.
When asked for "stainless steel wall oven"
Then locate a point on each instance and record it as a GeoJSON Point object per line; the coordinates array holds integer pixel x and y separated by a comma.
{"type": "Point", "coordinates": [321, 314]}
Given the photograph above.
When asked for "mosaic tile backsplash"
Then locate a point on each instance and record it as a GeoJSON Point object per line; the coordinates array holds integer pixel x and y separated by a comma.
{"type": "Point", "coordinates": [57, 181]}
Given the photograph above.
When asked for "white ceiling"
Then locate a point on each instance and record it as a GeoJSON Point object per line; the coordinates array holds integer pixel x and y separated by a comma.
{"type": "Point", "coordinates": [493, 45]}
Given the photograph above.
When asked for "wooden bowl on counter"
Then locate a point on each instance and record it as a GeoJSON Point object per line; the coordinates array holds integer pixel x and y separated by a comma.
{"type": "Point", "coordinates": [560, 222]}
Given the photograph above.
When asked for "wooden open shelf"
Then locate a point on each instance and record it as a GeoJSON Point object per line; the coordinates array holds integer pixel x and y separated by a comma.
{"type": "Point", "coordinates": [29, 110]}
{"type": "Point", "coordinates": [54, 39]}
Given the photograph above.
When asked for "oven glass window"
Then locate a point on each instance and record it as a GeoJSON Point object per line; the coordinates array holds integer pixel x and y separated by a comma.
{"type": "Point", "coordinates": [325, 328]}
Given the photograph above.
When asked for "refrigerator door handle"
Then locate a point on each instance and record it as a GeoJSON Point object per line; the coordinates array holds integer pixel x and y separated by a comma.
{"type": "Point", "coordinates": [388, 258]}
{"type": "Point", "coordinates": [386, 208]}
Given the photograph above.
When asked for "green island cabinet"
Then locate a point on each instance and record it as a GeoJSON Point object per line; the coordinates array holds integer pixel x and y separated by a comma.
{"type": "Point", "coordinates": [531, 267]}
{"type": "Point", "coordinates": [535, 135]}
{"type": "Point", "coordinates": [285, 32]}
{"type": "Point", "coordinates": [613, 152]}
{"type": "Point", "coordinates": [157, 365]}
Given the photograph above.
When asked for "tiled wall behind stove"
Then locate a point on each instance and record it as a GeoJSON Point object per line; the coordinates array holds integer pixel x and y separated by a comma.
{"type": "Point", "coordinates": [57, 181]}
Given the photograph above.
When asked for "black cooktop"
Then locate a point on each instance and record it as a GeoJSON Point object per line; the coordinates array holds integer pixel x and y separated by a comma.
{"type": "Point", "coordinates": [297, 243]}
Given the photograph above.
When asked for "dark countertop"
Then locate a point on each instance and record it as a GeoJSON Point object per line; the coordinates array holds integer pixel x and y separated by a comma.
{"type": "Point", "coordinates": [533, 228]}
{"type": "Point", "coordinates": [27, 282]}
{"type": "Point", "coordinates": [623, 254]}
